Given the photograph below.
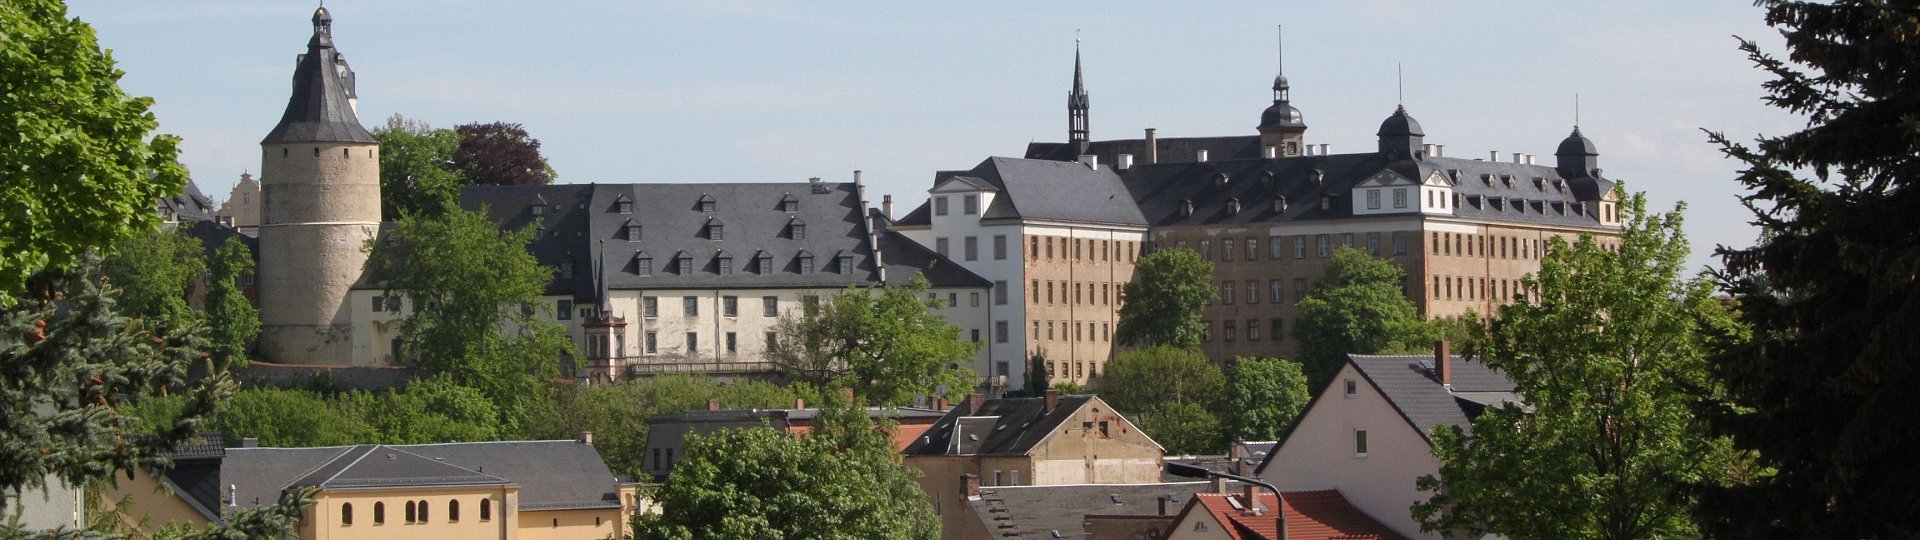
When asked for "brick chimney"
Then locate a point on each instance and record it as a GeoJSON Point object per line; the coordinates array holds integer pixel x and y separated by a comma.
{"type": "Point", "coordinates": [940, 404]}
{"type": "Point", "coordinates": [713, 404]}
{"type": "Point", "coordinates": [799, 403]}
{"type": "Point", "coordinates": [586, 438]}
{"type": "Point", "coordinates": [975, 401]}
{"type": "Point", "coordinates": [969, 485]}
{"type": "Point", "coordinates": [1053, 400]}
{"type": "Point", "coordinates": [1441, 364]}
{"type": "Point", "coordinates": [1247, 499]}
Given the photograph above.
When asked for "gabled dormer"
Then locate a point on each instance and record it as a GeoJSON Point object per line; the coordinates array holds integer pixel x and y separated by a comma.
{"type": "Point", "coordinates": [623, 204]}
{"type": "Point", "coordinates": [961, 197]}
{"type": "Point", "coordinates": [1387, 192]}
{"type": "Point", "coordinates": [789, 204]}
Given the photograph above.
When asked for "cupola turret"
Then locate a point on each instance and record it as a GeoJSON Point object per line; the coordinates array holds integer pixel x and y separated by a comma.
{"type": "Point", "coordinates": [1400, 135]}
{"type": "Point", "coordinates": [1576, 156]}
{"type": "Point", "coordinates": [1281, 125]}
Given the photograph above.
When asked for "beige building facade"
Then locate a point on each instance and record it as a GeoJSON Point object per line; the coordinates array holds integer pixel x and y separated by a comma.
{"type": "Point", "coordinates": [241, 210]}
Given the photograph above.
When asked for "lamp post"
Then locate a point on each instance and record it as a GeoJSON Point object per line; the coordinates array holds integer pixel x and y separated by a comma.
{"type": "Point", "coordinates": [1195, 471]}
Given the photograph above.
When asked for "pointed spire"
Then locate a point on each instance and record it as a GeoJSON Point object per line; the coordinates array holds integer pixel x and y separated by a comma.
{"type": "Point", "coordinates": [1077, 103]}
{"type": "Point", "coordinates": [321, 107]}
{"type": "Point", "coordinates": [1280, 86]}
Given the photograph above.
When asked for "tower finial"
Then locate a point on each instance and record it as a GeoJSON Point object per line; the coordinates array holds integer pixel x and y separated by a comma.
{"type": "Point", "coordinates": [1576, 111]}
{"type": "Point", "coordinates": [1077, 102]}
{"type": "Point", "coordinates": [1400, 84]}
{"type": "Point", "coordinates": [1280, 43]}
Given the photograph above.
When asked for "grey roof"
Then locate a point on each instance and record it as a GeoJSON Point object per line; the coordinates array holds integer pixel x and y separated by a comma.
{"type": "Point", "coordinates": [1400, 124]}
{"type": "Point", "coordinates": [319, 109]}
{"type": "Point", "coordinates": [1410, 384]}
{"type": "Point", "coordinates": [1576, 145]}
{"type": "Point", "coordinates": [212, 235]}
{"type": "Point", "coordinates": [551, 474]}
{"type": "Point", "coordinates": [737, 415]}
{"type": "Point", "coordinates": [190, 204]}
{"type": "Point", "coordinates": [1038, 511]}
{"type": "Point", "coordinates": [1170, 149]}
{"type": "Point", "coordinates": [578, 222]}
{"type": "Point", "coordinates": [1281, 114]}
{"type": "Point", "coordinates": [1006, 426]}
{"type": "Point", "coordinates": [1046, 190]}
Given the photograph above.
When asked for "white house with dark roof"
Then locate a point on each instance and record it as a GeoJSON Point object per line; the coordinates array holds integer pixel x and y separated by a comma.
{"type": "Point", "coordinates": [1368, 434]}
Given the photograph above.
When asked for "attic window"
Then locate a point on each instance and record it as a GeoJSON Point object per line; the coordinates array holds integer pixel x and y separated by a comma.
{"type": "Point", "coordinates": [643, 264]}
{"type": "Point", "coordinates": [537, 209]}
{"type": "Point", "coordinates": [682, 263]}
{"type": "Point", "coordinates": [806, 262]}
{"type": "Point", "coordinates": [1233, 206]}
{"type": "Point", "coordinates": [633, 232]}
{"type": "Point", "coordinates": [1507, 180]}
{"type": "Point", "coordinates": [1487, 179]}
{"type": "Point", "coordinates": [796, 229]}
{"type": "Point", "coordinates": [789, 203]}
{"type": "Point", "coordinates": [1279, 203]}
{"type": "Point", "coordinates": [1221, 180]}
{"type": "Point", "coordinates": [1326, 202]}
{"type": "Point", "coordinates": [1453, 176]}
{"type": "Point", "coordinates": [1319, 177]}
{"type": "Point", "coordinates": [623, 205]}
{"type": "Point", "coordinates": [843, 263]}
{"type": "Point", "coordinates": [762, 263]}
{"type": "Point", "coordinates": [706, 203]}
{"type": "Point", "coordinates": [1559, 185]}
{"type": "Point", "coordinates": [723, 263]}
{"type": "Point", "coordinates": [1266, 178]}
{"type": "Point", "coordinates": [715, 230]}
{"type": "Point", "coordinates": [1539, 183]}
{"type": "Point", "coordinates": [1186, 207]}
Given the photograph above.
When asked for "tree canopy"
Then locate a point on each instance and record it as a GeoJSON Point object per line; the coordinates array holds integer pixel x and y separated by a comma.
{"type": "Point", "coordinates": [1824, 390]}
{"type": "Point", "coordinates": [843, 480]}
{"type": "Point", "coordinates": [500, 154]}
{"type": "Point", "coordinates": [474, 309]}
{"type": "Point", "coordinates": [155, 269]}
{"type": "Point", "coordinates": [1608, 354]}
{"type": "Point", "coordinates": [1357, 306]}
{"type": "Point", "coordinates": [79, 169]}
{"type": "Point", "coordinates": [887, 343]}
{"type": "Point", "coordinates": [1163, 302]}
{"type": "Point", "coordinates": [1263, 398]}
{"type": "Point", "coordinates": [417, 173]}
{"type": "Point", "coordinates": [232, 320]}
{"type": "Point", "coordinates": [1171, 393]}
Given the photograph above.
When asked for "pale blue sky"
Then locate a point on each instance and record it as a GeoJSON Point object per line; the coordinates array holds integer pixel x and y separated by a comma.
{"type": "Point", "coordinates": [716, 91]}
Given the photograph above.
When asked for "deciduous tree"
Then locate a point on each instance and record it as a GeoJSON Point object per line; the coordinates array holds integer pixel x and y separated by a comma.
{"type": "Point", "coordinates": [154, 270]}
{"type": "Point", "coordinates": [1171, 393]}
{"type": "Point", "coordinates": [1264, 396]}
{"type": "Point", "coordinates": [1357, 307]}
{"type": "Point", "coordinates": [886, 343]}
{"type": "Point", "coordinates": [1163, 302]}
{"type": "Point", "coordinates": [1608, 354]}
{"type": "Point", "coordinates": [232, 320]}
{"type": "Point", "coordinates": [417, 173]}
{"type": "Point", "coordinates": [500, 154]}
{"type": "Point", "coordinates": [1825, 389]}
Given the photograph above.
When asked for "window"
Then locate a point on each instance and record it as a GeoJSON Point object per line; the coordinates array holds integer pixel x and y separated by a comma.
{"type": "Point", "coordinates": [1226, 292]}
{"type": "Point", "coordinates": [453, 510]}
{"type": "Point", "coordinates": [999, 247]}
{"type": "Point", "coordinates": [733, 342]}
{"type": "Point", "coordinates": [1206, 249]}
{"type": "Point", "coordinates": [650, 306]}
{"type": "Point", "coordinates": [730, 306]}
{"type": "Point", "coordinates": [1276, 330]}
{"type": "Point", "coordinates": [643, 265]}
{"type": "Point", "coordinates": [1253, 249]}
{"type": "Point", "coordinates": [633, 232]}
{"type": "Point", "coordinates": [1226, 249]}
{"type": "Point", "coordinates": [844, 264]}
{"type": "Point", "coordinates": [999, 331]}
{"type": "Point", "coordinates": [1373, 199]}
{"type": "Point", "coordinates": [1399, 242]}
{"type": "Point", "coordinates": [1227, 329]}
{"type": "Point", "coordinates": [970, 204]}
{"type": "Point", "coordinates": [1253, 329]}
{"type": "Point", "coordinates": [1035, 241]}
{"type": "Point", "coordinates": [1299, 289]}
{"type": "Point", "coordinates": [379, 513]}
{"type": "Point", "coordinates": [1299, 247]}
{"type": "Point", "coordinates": [1346, 239]}
{"type": "Point", "coordinates": [486, 509]}
{"type": "Point", "coordinates": [940, 245]}
{"type": "Point", "coordinates": [940, 205]}
{"type": "Point", "coordinates": [346, 513]}
{"type": "Point", "coordinates": [653, 342]}
{"type": "Point", "coordinates": [770, 306]}
{"type": "Point", "coordinates": [423, 511]}
{"type": "Point", "coordinates": [715, 231]}
{"type": "Point", "coordinates": [1373, 243]}
{"type": "Point", "coordinates": [683, 263]}
{"type": "Point", "coordinates": [1352, 388]}
{"type": "Point", "coordinates": [1323, 243]}
{"type": "Point", "coordinates": [1359, 443]}
{"type": "Point", "coordinates": [972, 247]}
{"type": "Point", "coordinates": [1400, 197]}
{"type": "Point", "coordinates": [1276, 291]}
{"type": "Point", "coordinates": [953, 299]}
{"type": "Point", "coordinates": [623, 206]}
{"type": "Point", "coordinates": [693, 341]}
{"type": "Point", "coordinates": [412, 514]}
{"type": "Point", "coordinates": [1000, 293]}
{"type": "Point", "coordinates": [690, 306]}
{"type": "Point", "coordinates": [973, 299]}
{"type": "Point", "coordinates": [789, 204]}
{"type": "Point", "coordinates": [797, 230]}
{"type": "Point", "coordinates": [563, 309]}
{"type": "Point", "coordinates": [806, 263]}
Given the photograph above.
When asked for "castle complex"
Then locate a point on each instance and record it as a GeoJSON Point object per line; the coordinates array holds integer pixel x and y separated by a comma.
{"type": "Point", "coordinates": [1025, 255]}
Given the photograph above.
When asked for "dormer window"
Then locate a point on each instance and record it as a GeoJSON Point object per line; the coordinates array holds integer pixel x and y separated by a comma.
{"type": "Point", "coordinates": [1279, 203]}
{"type": "Point", "coordinates": [843, 263]}
{"type": "Point", "coordinates": [796, 229]}
{"type": "Point", "coordinates": [1539, 183]}
{"type": "Point", "coordinates": [1186, 207]}
{"type": "Point", "coordinates": [537, 209]}
{"type": "Point", "coordinates": [1266, 178]}
{"type": "Point", "coordinates": [623, 205]}
{"type": "Point", "coordinates": [715, 230]}
{"type": "Point", "coordinates": [566, 269]}
{"type": "Point", "coordinates": [706, 203]}
{"type": "Point", "coordinates": [1506, 180]}
{"type": "Point", "coordinates": [1220, 180]}
{"type": "Point", "coordinates": [633, 231]}
{"type": "Point", "coordinates": [789, 203]}
{"type": "Point", "coordinates": [682, 263]}
{"type": "Point", "coordinates": [1233, 206]}
{"type": "Point", "coordinates": [762, 263]}
{"type": "Point", "coordinates": [805, 260]}
{"type": "Point", "coordinates": [1326, 202]}
{"type": "Point", "coordinates": [723, 263]}
{"type": "Point", "coordinates": [643, 264]}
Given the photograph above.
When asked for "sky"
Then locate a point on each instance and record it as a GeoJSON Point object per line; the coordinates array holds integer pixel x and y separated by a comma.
{"type": "Point", "coordinates": [731, 90]}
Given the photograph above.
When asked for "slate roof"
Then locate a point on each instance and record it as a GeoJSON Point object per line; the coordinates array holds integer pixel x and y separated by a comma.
{"type": "Point", "coordinates": [1046, 190]}
{"type": "Point", "coordinates": [319, 109]}
{"type": "Point", "coordinates": [1171, 149]}
{"type": "Point", "coordinates": [1039, 511]}
{"type": "Point", "coordinates": [190, 205]}
{"type": "Point", "coordinates": [551, 474]}
{"type": "Point", "coordinates": [1006, 426]}
{"type": "Point", "coordinates": [212, 235]}
{"type": "Point", "coordinates": [578, 222]}
{"type": "Point", "coordinates": [1311, 515]}
{"type": "Point", "coordinates": [1410, 384]}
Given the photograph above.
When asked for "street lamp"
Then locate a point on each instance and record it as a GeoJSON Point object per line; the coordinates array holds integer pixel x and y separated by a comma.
{"type": "Point", "coordinates": [1195, 471]}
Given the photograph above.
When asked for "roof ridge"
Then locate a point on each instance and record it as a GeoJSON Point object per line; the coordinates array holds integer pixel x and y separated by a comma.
{"type": "Point", "coordinates": [443, 461]}
{"type": "Point", "coordinates": [356, 461]}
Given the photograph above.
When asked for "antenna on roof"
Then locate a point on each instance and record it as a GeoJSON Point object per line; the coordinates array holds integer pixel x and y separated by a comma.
{"type": "Point", "coordinates": [1280, 41]}
{"type": "Point", "coordinates": [1400, 83]}
{"type": "Point", "coordinates": [1576, 110]}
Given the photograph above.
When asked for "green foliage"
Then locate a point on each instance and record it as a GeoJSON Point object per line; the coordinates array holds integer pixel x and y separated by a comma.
{"type": "Point", "coordinates": [1357, 307]}
{"type": "Point", "coordinates": [232, 320]}
{"type": "Point", "coordinates": [1070, 388]}
{"type": "Point", "coordinates": [71, 368]}
{"type": "Point", "coordinates": [886, 343]}
{"type": "Point", "coordinates": [297, 418]}
{"type": "Point", "coordinates": [154, 270]}
{"type": "Point", "coordinates": [500, 154]}
{"type": "Point", "coordinates": [417, 173]}
{"type": "Point", "coordinates": [78, 168]}
{"type": "Point", "coordinates": [1037, 379]}
{"type": "Point", "coordinates": [1608, 353]}
{"type": "Point", "coordinates": [1264, 397]}
{"type": "Point", "coordinates": [467, 284]}
{"type": "Point", "coordinates": [1170, 393]}
{"type": "Point", "coordinates": [843, 480]}
{"type": "Point", "coordinates": [1163, 302]}
{"type": "Point", "coordinates": [617, 413]}
{"type": "Point", "coordinates": [1825, 389]}
{"type": "Point", "coordinates": [431, 411]}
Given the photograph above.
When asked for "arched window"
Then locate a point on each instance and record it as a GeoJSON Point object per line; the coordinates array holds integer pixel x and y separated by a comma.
{"type": "Point", "coordinates": [486, 509]}
{"type": "Point", "coordinates": [423, 511]}
{"type": "Point", "coordinates": [379, 513]}
{"type": "Point", "coordinates": [453, 510]}
{"type": "Point", "coordinates": [346, 513]}
{"type": "Point", "coordinates": [410, 512]}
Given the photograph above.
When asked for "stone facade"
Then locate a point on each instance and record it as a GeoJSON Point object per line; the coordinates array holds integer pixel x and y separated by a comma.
{"type": "Point", "coordinates": [241, 210]}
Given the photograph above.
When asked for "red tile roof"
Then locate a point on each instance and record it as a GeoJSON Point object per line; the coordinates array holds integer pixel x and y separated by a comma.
{"type": "Point", "coordinates": [1311, 515]}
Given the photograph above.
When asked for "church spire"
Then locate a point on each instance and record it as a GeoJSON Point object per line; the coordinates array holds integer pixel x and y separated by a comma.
{"type": "Point", "coordinates": [1077, 103]}
{"type": "Point", "coordinates": [322, 105]}
{"type": "Point", "coordinates": [1281, 126]}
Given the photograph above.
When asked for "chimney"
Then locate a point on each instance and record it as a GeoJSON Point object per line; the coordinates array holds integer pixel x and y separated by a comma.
{"type": "Point", "coordinates": [856, 178]}
{"type": "Point", "coordinates": [1441, 366]}
{"type": "Point", "coordinates": [940, 404]}
{"type": "Point", "coordinates": [1220, 485]}
{"type": "Point", "coordinates": [1246, 498]}
{"type": "Point", "coordinates": [1519, 158]}
{"type": "Point", "coordinates": [886, 205]}
{"type": "Point", "coordinates": [1270, 151]}
{"type": "Point", "coordinates": [1307, 150]}
{"type": "Point", "coordinates": [799, 403]}
{"type": "Point", "coordinates": [975, 401]}
{"type": "Point", "coordinates": [846, 394]}
{"type": "Point", "coordinates": [1234, 451]}
{"type": "Point", "coordinates": [1053, 400]}
{"type": "Point", "coordinates": [1324, 147]}
{"type": "Point", "coordinates": [1439, 150]}
{"type": "Point", "coordinates": [969, 485]}
{"type": "Point", "coordinates": [1200, 155]}
{"type": "Point", "coordinates": [713, 404]}
{"type": "Point", "coordinates": [1493, 156]}
{"type": "Point", "coordinates": [816, 185]}
{"type": "Point", "coordinates": [1153, 147]}
{"type": "Point", "coordinates": [1091, 161]}
{"type": "Point", "coordinates": [586, 438]}
{"type": "Point", "coordinates": [1123, 162]}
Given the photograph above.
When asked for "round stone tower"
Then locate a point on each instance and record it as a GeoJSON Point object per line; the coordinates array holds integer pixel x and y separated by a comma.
{"type": "Point", "coordinates": [320, 203]}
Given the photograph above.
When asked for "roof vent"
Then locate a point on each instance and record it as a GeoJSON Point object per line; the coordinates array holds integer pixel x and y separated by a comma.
{"type": "Point", "coordinates": [1123, 162]}
{"type": "Point", "coordinates": [1319, 177]}
{"type": "Point", "coordinates": [1186, 207]}
{"type": "Point", "coordinates": [819, 188]}
{"type": "Point", "coordinates": [1233, 206]}
{"type": "Point", "coordinates": [1221, 180]}
{"type": "Point", "coordinates": [1279, 203]}
{"type": "Point", "coordinates": [1200, 155]}
{"type": "Point", "coordinates": [1266, 178]}
{"type": "Point", "coordinates": [1091, 161]}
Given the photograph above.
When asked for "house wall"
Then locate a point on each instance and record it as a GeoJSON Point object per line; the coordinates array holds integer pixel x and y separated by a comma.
{"type": "Point", "coordinates": [325, 519]}
{"type": "Point", "coordinates": [53, 505]}
{"type": "Point", "coordinates": [1319, 454]}
{"type": "Point", "coordinates": [148, 506]}
{"type": "Point", "coordinates": [243, 204]}
{"type": "Point", "coordinates": [1475, 267]}
{"type": "Point", "coordinates": [572, 524]}
{"type": "Point", "coordinates": [1198, 525]}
